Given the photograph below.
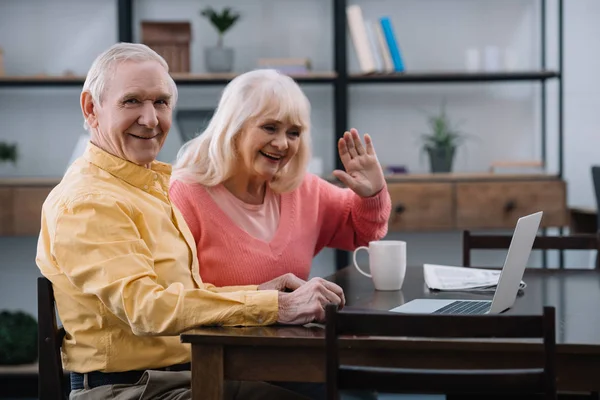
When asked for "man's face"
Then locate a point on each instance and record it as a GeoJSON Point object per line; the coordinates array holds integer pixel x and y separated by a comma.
{"type": "Point", "coordinates": [136, 112]}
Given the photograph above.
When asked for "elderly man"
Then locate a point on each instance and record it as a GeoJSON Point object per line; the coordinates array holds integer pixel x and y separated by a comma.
{"type": "Point", "coordinates": [123, 262]}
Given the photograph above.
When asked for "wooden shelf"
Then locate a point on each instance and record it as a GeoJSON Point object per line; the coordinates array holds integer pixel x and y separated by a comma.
{"type": "Point", "coordinates": [460, 177]}
{"type": "Point", "coordinates": [453, 77]}
{"type": "Point", "coordinates": [469, 177]}
{"type": "Point", "coordinates": [22, 369]}
{"type": "Point", "coordinates": [180, 79]}
{"type": "Point", "coordinates": [30, 181]}
{"type": "Point", "coordinates": [315, 77]}
{"type": "Point", "coordinates": [203, 79]}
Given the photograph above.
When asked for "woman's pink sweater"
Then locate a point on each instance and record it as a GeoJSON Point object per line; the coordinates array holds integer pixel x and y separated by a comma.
{"type": "Point", "coordinates": [316, 215]}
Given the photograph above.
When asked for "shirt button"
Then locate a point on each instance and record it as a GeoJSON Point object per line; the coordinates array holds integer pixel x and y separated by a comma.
{"type": "Point", "coordinates": [260, 320]}
{"type": "Point", "coordinates": [155, 177]}
{"type": "Point", "coordinates": [145, 187]}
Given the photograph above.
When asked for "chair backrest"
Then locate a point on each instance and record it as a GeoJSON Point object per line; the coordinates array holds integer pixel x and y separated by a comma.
{"type": "Point", "coordinates": [596, 182]}
{"type": "Point", "coordinates": [488, 242]}
{"type": "Point", "coordinates": [51, 378]}
{"type": "Point", "coordinates": [541, 380]}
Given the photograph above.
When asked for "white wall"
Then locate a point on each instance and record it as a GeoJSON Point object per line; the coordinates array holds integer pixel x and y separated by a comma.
{"type": "Point", "coordinates": [51, 36]}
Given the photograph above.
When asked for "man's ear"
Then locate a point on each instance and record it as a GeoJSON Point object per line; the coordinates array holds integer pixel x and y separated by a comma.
{"type": "Point", "coordinates": [89, 109]}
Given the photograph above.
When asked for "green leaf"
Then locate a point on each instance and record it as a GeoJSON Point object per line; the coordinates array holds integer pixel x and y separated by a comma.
{"type": "Point", "coordinates": [222, 21]}
{"type": "Point", "coordinates": [443, 135]}
{"type": "Point", "coordinates": [18, 338]}
{"type": "Point", "coordinates": [8, 152]}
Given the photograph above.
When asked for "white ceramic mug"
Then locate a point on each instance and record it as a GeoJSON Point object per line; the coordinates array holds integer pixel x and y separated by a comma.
{"type": "Point", "coordinates": [387, 260]}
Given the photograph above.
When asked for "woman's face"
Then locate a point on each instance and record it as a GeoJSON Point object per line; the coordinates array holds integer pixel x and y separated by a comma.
{"type": "Point", "coordinates": [266, 145]}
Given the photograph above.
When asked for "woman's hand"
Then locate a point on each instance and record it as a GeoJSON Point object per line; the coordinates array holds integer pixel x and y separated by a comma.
{"type": "Point", "coordinates": [363, 174]}
{"type": "Point", "coordinates": [283, 283]}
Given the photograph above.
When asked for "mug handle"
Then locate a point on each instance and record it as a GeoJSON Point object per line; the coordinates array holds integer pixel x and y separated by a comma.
{"type": "Point", "coordinates": [356, 264]}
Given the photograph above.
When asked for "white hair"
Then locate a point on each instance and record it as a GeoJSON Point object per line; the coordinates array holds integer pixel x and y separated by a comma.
{"type": "Point", "coordinates": [104, 66]}
{"type": "Point", "coordinates": [211, 157]}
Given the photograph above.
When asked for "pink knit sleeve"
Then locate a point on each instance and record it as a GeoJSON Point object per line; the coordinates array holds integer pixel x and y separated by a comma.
{"type": "Point", "coordinates": [348, 220]}
{"type": "Point", "coordinates": [183, 199]}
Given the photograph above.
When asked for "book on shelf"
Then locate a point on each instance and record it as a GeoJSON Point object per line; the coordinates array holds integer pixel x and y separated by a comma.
{"type": "Point", "coordinates": [377, 56]}
{"type": "Point", "coordinates": [390, 37]}
{"type": "Point", "coordinates": [388, 65]}
{"type": "Point", "coordinates": [374, 42]}
{"type": "Point", "coordinates": [360, 39]}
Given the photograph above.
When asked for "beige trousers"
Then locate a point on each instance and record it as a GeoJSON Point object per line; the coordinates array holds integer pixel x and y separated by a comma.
{"type": "Point", "coordinates": [165, 385]}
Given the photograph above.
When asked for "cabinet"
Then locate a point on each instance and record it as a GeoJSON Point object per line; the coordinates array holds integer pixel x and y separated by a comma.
{"type": "Point", "coordinates": [421, 206]}
{"type": "Point", "coordinates": [474, 201]}
{"type": "Point", "coordinates": [22, 201]}
{"type": "Point", "coordinates": [491, 205]}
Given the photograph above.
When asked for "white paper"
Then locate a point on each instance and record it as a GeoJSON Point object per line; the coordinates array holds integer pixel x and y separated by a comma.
{"type": "Point", "coordinates": [448, 278]}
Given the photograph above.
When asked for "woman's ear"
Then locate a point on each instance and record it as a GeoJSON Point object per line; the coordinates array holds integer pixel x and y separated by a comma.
{"type": "Point", "coordinates": [88, 107]}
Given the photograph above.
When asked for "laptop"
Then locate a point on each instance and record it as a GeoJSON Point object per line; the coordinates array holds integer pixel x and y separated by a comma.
{"type": "Point", "coordinates": [508, 283]}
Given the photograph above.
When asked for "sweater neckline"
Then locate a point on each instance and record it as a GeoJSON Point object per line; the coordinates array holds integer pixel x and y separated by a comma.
{"type": "Point", "coordinates": [282, 233]}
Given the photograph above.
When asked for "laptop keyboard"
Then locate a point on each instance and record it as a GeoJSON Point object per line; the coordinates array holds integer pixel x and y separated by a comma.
{"type": "Point", "coordinates": [465, 307]}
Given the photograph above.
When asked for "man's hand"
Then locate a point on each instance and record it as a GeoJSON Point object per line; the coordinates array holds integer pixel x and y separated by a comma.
{"type": "Point", "coordinates": [307, 303]}
{"type": "Point", "coordinates": [283, 283]}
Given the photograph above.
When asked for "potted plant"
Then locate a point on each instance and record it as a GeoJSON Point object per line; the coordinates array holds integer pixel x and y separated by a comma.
{"type": "Point", "coordinates": [18, 338]}
{"type": "Point", "coordinates": [441, 142]}
{"type": "Point", "coordinates": [8, 153]}
{"type": "Point", "coordinates": [220, 58]}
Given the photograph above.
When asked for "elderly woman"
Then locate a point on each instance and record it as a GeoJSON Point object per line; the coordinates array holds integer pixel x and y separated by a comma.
{"type": "Point", "coordinates": [243, 189]}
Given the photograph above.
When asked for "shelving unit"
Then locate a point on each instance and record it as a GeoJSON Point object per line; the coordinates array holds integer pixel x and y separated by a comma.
{"type": "Point", "coordinates": [341, 79]}
{"type": "Point", "coordinates": [180, 79]}
{"type": "Point", "coordinates": [540, 76]}
{"type": "Point", "coordinates": [453, 77]}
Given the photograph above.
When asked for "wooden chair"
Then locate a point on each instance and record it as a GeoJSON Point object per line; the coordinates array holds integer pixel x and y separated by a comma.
{"type": "Point", "coordinates": [540, 380]}
{"type": "Point", "coordinates": [596, 185]}
{"type": "Point", "coordinates": [572, 242]}
{"type": "Point", "coordinates": [52, 381]}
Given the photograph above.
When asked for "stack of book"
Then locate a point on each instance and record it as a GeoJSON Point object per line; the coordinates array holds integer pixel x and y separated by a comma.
{"type": "Point", "coordinates": [375, 43]}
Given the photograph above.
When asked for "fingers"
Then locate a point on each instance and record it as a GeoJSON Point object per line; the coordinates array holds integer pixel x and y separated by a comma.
{"type": "Point", "coordinates": [348, 138]}
{"type": "Point", "coordinates": [320, 314]}
{"type": "Point", "coordinates": [344, 178]}
{"type": "Point", "coordinates": [337, 290]}
{"type": "Point", "coordinates": [270, 285]}
{"type": "Point", "coordinates": [293, 282]}
{"type": "Point", "coordinates": [357, 142]}
{"type": "Point", "coordinates": [351, 145]}
{"type": "Point", "coordinates": [308, 302]}
{"type": "Point", "coordinates": [369, 143]}
{"type": "Point", "coordinates": [332, 292]}
{"type": "Point", "coordinates": [330, 297]}
{"type": "Point", "coordinates": [343, 150]}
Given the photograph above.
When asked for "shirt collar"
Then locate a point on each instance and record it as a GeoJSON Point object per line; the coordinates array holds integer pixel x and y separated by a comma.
{"type": "Point", "coordinates": [136, 175]}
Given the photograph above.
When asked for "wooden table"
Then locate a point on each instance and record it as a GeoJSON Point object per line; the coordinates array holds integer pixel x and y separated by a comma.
{"type": "Point", "coordinates": [296, 353]}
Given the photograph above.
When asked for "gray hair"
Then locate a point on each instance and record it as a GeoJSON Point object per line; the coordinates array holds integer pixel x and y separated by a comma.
{"type": "Point", "coordinates": [103, 67]}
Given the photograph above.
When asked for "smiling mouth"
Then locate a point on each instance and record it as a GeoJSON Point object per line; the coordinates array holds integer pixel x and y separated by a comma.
{"type": "Point", "coordinates": [144, 137]}
{"type": "Point", "coordinates": [271, 156]}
